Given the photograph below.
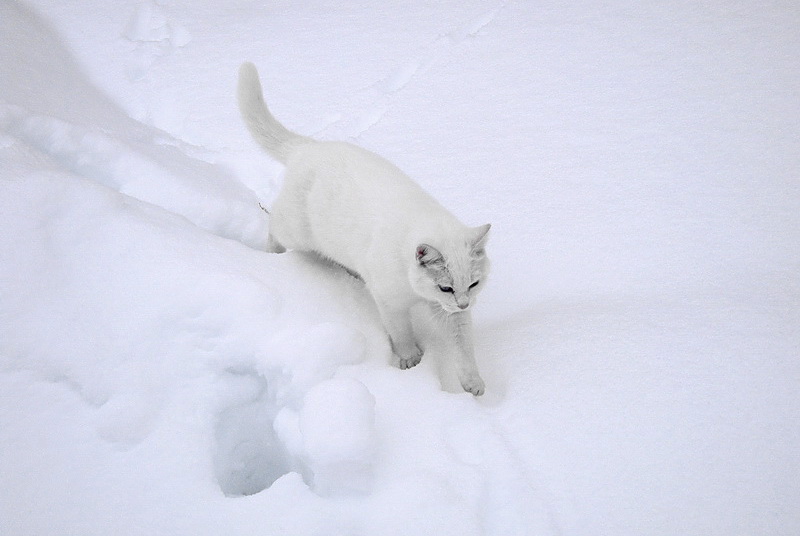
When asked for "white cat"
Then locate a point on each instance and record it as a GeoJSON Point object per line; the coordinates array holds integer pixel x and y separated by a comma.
{"type": "Point", "coordinates": [359, 210]}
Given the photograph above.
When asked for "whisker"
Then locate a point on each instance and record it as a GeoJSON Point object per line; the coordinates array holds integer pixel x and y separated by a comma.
{"type": "Point", "coordinates": [440, 316]}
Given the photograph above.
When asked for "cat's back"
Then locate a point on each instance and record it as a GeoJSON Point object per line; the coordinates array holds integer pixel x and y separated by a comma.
{"type": "Point", "coordinates": [346, 201]}
{"type": "Point", "coordinates": [341, 173]}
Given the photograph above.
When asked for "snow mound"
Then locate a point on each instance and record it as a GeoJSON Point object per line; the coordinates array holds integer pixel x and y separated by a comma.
{"type": "Point", "coordinates": [337, 424]}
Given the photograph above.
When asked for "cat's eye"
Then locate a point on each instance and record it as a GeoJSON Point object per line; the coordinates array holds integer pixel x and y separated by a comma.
{"type": "Point", "coordinates": [445, 289]}
{"type": "Point", "coordinates": [475, 284]}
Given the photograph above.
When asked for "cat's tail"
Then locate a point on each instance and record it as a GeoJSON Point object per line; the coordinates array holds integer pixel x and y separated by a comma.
{"type": "Point", "coordinates": [278, 140]}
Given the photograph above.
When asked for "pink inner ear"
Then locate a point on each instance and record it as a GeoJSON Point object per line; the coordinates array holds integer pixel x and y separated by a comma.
{"type": "Point", "coordinates": [420, 252]}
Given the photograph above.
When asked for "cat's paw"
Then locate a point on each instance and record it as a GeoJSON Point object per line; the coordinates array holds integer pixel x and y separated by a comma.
{"type": "Point", "coordinates": [411, 360]}
{"type": "Point", "coordinates": [473, 384]}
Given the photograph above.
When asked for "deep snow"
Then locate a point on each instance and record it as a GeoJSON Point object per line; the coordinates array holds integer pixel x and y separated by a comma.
{"type": "Point", "coordinates": [161, 374]}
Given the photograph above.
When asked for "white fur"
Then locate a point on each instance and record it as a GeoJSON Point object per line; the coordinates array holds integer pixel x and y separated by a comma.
{"type": "Point", "coordinates": [361, 211]}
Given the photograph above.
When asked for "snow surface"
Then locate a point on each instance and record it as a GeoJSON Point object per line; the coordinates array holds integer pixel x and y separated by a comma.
{"type": "Point", "coordinates": [640, 336]}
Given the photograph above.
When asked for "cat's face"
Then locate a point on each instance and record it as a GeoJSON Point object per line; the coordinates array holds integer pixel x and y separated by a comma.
{"type": "Point", "coordinates": [453, 274]}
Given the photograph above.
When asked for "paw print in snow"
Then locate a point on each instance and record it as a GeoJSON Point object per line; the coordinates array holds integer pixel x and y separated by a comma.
{"type": "Point", "coordinates": [154, 36]}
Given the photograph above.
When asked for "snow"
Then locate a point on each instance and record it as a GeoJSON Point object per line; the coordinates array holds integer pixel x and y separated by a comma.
{"type": "Point", "coordinates": [337, 427]}
{"type": "Point", "coordinates": [161, 374]}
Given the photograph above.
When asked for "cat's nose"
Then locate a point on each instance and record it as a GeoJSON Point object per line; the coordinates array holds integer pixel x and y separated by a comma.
{"type": "Point", "coordinates": [463, 306]}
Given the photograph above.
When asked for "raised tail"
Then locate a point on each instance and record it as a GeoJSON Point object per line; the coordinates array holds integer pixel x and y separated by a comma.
{"type": "Point", "coordinates": [278, 140]}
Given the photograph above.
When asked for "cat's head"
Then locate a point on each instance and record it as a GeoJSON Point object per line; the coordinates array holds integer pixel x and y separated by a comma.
{"type": "Point", "coordinates": [454, 272]}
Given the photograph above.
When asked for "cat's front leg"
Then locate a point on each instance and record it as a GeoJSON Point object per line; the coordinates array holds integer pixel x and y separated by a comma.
{"type": "Point", "coordinates": [460, 327]}
{"type": "Point", "coordinates": [397, 322]}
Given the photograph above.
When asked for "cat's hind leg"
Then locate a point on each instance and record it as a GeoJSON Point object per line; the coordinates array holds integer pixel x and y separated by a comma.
{"type": "Point", "coordinates": [273, 246]}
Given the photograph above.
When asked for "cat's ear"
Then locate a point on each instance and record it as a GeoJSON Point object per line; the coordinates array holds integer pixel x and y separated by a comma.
{"type": "Point", "coordinates": [428, 255]}
{"type": "Point", "coordinates": [478, 237]}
